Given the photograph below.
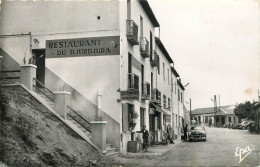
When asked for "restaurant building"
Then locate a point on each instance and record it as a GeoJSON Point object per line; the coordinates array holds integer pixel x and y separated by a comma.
{"type": "Point", "coordinates": [109, 49]}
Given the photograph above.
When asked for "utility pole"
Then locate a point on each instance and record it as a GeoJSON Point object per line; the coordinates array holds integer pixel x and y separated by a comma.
{"type": "Point", "coordinates": [215, 109]}
{"type": "Point", "coordinates": [190, 111]}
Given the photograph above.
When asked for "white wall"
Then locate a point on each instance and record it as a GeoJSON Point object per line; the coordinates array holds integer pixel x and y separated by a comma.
{"type": "Point", "coordinates": [126, 47]}
{"type": "Point", "coordinates": [44, 17]}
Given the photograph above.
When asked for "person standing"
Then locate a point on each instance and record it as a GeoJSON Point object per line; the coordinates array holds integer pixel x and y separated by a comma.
{"type": "Point", "coordinates": [185, 130]}
{"type": "Point", "coordinates": [145, 138]}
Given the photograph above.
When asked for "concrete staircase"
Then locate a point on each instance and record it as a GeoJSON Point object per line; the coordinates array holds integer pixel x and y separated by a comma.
{"type": "Point", "coordinates": [74, 120]}
{"type": "Point", "coordinates": [110, 150]}
{"type": "Point", "coordinates": [80, 125]}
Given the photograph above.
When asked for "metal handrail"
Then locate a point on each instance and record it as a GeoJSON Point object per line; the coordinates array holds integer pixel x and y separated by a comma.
{"type": "Point", "coordinates": [9, 71]}
{"type": "Point", "coordinates": [43, 93]}
{"type": "Point", "coordinates": [9, 77]}
{"type": "Point", "coordinates": [45, 88]}
{"type": "Point", "coordinates": [87, 128]}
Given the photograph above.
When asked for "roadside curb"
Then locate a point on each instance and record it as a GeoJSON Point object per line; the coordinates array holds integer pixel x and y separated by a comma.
{"type": "Point", "coordinates": [175, 144]}
{"type": "Point", "coordinates": [154, 154]}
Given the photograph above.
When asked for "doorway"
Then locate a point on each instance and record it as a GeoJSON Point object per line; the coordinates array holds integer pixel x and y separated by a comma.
{"type": "Point", "coordinates": [39, 61]}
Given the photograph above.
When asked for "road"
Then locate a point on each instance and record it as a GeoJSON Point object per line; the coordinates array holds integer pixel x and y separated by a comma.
{"type": "Point", "coordinates": [218, 150]}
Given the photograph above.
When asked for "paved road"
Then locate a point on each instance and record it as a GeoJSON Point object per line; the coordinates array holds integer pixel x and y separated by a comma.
{"type": "Point", "coordinates": [218, 150]}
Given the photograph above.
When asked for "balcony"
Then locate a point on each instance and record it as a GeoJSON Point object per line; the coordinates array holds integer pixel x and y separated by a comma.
{"type": "Point", "coordinates": [144, 47]}
{"type": "Point", "coordinates": [145, 91]}
{"type": "Point", "coordinates": [154, 60]}
{"type": "Point", "coordinates": [156, 96]}
{"type": "Point", "coordinates": [133, 81]}
{"type": "Point", "coordinates": [132, 32]}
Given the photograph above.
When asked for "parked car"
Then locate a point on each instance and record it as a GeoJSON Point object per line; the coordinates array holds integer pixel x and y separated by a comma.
{"type": "Point", "coordinates": [227, 125]}
{"type": "Point", "coordinates": [244, 125]}
{"type": "Point", "coordinates": [197, 133]}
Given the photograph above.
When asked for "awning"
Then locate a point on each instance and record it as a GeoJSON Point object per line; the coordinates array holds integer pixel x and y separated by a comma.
{"type": "Point", "coordinates": [158, 108]}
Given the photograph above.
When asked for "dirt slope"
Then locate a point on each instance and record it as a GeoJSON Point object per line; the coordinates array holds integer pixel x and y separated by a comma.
{"type": "Point", "coordinates": [30, 135]}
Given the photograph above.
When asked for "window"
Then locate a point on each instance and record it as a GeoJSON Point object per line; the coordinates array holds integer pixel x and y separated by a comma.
{"type": "Point", "coordinates": [142, 117]}
{"type": "Point", "coordinates": [163, 72]}
{"type": "Point", "coordinates": [151, 80]}
{"type": "Point", "coordinates": [176, 120]}
{"type": "Point", "coordinates": [127, 116]}
{"type": "Point", "coordinates": [164, 101]}
{"type": "Point", "coordinates": [129, 63]}
{"type": "Point", "coordinates": [142, 78]}
{"type": "Point", "coordinates": [178, 95]}
{"type": "Point", "coordinates": [158, 65]}
{"type": "Point", "coordinates": [175, 87]}
{"type": "Point", "coordinates": [169, 103]}
{"type": "Point", "coordinates": [129, 9]}
{"type": "Point", "coordinates": [168, 76]}
{"type": "Point", "coordinates": [172, 119]}
{"type": "Point", "coordinates": [141, 26]}
{"type": "Point", "coordinates": [181, 97]}
{"type": "Point", "coordinates": [151, 46]}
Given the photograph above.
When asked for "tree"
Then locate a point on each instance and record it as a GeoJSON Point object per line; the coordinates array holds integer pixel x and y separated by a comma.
{"type": "Point", "coordinates": [245, 110]}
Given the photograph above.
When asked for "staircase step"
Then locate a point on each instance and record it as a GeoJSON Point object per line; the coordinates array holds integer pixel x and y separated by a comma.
{"type": "Point", "coordinates": [108, 146]}
{"type": "Point", "coordinates": [113, 153]}
{"type": "Point", "coordinates": [111, 150]}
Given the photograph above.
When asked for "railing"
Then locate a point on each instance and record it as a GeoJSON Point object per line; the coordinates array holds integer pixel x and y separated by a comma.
{"type": "Point", "coordinates": [156, 96]}
{"type": "Point", "coordinates": [145, 91]}
{"type": "Point", "coordinates": [133, 81]}
{"type": "Point", "coordinates": [155, 60]}
{"type": "Point", "coordinates": [78, 118]}
{"type": "Point", "coordinates": [132, 32]}
{"type": "Point", "coordinates": [9, 75]}
{"type": "Point", "coordinates": [49, 95]}
{"type": "Point", "coordinates": [144, 47]}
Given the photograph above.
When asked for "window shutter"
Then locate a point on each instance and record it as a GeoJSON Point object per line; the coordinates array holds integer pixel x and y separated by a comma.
{"type": "Point", "coordinates": [125, 117]}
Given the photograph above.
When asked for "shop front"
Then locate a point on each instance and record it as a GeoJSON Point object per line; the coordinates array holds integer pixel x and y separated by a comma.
{"type": "Point", "coordinates": [158, 121]}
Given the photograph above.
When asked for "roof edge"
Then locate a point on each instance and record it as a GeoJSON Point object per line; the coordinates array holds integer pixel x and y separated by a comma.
{"type": "Point", "coordinates": [149, 12]}
{"type": "Point", "coordinates": [163, 49]}
{"type": "Point", "coordinates": [175, 72]}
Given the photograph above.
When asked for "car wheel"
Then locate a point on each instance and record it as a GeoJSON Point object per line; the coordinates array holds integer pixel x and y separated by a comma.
{"type": "Point", "coordinates": [243, 127]}
{"type": "Point", "coordinates": [204, 140]}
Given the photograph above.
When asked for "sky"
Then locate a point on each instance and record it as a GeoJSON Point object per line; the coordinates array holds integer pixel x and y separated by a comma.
{"type": "Point", "coordinates": [215, 47]}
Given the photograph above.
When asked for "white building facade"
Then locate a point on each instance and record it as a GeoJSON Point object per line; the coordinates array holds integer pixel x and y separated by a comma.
{"type": "Point", "coordinates": [108, 47]}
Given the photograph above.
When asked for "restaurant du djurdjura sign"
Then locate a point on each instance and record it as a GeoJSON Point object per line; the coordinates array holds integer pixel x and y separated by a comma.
{"type": "Point", "coordinates": [78, 47]}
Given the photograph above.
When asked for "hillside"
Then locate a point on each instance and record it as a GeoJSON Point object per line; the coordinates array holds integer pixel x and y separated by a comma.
{"type": "Point", "coordinates": [30, 135]}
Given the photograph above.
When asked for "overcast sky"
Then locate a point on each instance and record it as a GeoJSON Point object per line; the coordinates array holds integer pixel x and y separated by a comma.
{"type": "Point", "coordinates": [215, 47]}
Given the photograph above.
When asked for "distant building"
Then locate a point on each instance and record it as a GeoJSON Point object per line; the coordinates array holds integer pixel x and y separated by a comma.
{"type": "Point", "coordinates": [208, 115]}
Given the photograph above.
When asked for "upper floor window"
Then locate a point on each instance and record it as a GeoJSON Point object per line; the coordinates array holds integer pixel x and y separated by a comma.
{"type": "Point", "coordinates": [163, 72]}
{"type": "Point", "coordinates": [164, 101]}
{"type": "Point", "coordinates": [178, 95]}
{"type": "Point", "coordinates": [181, 97]}
{"type": "Point", "coordinates": [168, 76]}
{"type": "Point", "coordinates": [169, 103]}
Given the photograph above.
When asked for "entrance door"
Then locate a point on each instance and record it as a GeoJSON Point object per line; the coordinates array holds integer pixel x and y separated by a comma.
{"type": "Point", "coordinates": [40, 63]}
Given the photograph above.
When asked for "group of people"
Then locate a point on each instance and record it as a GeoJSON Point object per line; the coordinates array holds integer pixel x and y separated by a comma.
{"type": "Point", "coordinates": [145, 133]}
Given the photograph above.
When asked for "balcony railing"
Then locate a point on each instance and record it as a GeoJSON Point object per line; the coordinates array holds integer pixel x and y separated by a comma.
{"type": "Point", "coordinates": [133, 81]}
{"type": "Point", "coordinates": [144, 47]}
{"type": "Point", "coordinates": [155, 60]}
{"type": "Point", "coordinates": [156, 96]}
{"type": "Point", "coordinates": [145, 91]}
{"type": "Point", "coordinates": [132, 32]}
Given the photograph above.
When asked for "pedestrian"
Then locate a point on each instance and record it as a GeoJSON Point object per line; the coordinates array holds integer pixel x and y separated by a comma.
{"type": "Point", "coordinates": [168, 130]}
{"type": "Point", "coordinates": [185, 130]}
{"type": "Point", "coordinates": [145, 138]}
